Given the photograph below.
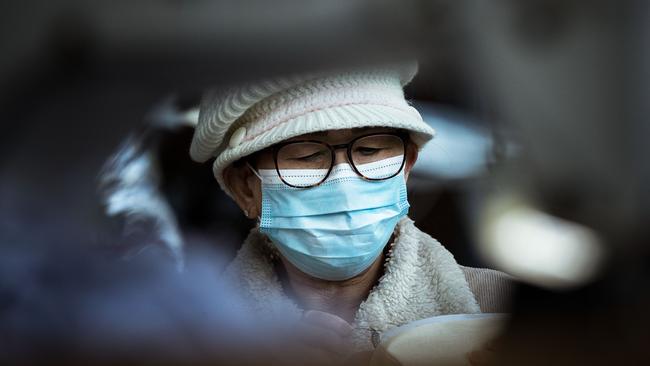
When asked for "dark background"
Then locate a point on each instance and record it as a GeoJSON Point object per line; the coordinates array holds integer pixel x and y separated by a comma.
{"type": "Point", "coordinates": [567, 80]}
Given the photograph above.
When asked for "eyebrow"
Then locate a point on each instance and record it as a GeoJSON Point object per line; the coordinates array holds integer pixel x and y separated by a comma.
{"type": "Point", "coordinates": [319, 134]}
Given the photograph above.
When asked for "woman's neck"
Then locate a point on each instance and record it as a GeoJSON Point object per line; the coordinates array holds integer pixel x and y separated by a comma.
{"type": "Point", "coordinates": [341, 298]}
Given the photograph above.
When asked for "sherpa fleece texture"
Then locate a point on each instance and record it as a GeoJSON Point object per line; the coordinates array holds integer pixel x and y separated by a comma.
{"type": "Point", "coordinates": [421, 279]}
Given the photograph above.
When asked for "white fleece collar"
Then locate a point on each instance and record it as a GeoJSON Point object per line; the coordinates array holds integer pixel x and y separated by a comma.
{"type": "Point", "coordinates": [421, 279]}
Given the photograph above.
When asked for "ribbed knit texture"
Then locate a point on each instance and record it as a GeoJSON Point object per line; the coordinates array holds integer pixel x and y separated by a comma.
{"type": "Point", "coordinates": [493, 289]}
{"type": "Point", "coordinates": [279, 109]}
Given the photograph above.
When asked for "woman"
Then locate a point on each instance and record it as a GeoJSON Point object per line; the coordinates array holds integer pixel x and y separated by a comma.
{"type": "Point", "coordinates": [322, 163]}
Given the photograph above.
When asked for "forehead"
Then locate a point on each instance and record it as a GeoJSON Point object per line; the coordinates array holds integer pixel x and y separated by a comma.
{"type": "Point", "coordinates": [338, 136]}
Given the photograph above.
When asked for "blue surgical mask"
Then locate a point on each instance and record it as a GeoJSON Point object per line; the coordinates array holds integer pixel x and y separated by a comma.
{"type": "Point", "coordinates": [336, 230]}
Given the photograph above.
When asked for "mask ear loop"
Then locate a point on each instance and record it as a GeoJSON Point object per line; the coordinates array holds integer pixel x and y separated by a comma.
{"type": "Point", "coordinates": [254, 172]}
{"type": "Point", "coordinates": [259, 218]}
{"type": "Point", "coordinates": [272, 252]}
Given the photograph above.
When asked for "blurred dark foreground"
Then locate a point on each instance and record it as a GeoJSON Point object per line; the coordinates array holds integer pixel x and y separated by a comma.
{"type": "Point", "coordinates": [568, 80]}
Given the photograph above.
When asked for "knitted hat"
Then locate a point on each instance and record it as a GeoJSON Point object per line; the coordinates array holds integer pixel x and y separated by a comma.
{"type": "Point", "coordinates": [241, 120]}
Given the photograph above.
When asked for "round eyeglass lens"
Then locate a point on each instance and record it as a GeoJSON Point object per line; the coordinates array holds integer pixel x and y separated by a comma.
{"type": "Point", "coordinates": [378, 156]}
{"type": "Point", "coordinates": [304, 164]}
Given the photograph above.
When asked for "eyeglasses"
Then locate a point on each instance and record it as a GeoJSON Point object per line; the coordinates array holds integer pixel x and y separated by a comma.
{"type": "Point", "coordinates": [308, 163]}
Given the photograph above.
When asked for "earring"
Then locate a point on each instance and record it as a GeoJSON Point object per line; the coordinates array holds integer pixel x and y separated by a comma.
{"type": "Point", "coordinates": [246, 213]}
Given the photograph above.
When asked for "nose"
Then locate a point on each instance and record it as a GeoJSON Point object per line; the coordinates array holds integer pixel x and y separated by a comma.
{"type": "Point", "coordinates": [341, 156]}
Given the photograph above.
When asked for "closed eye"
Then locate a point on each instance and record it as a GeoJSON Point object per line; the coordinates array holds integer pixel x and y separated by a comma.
{"type": "Point", "coordinates": [367, 151]}
{"type": "Point", "coordinates": [311, 157]}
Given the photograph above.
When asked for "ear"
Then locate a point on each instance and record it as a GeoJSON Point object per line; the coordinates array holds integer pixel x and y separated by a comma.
{"type": "Point", "coordinates": [245, 188]}
{"type": "Point", "coordinates": [411, 157]}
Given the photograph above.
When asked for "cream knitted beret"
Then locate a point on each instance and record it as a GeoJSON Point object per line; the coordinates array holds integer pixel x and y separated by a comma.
{"type": "Point", "coordinates": [241, 120]}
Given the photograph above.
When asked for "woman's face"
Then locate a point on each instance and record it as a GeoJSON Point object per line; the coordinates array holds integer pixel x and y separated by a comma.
{"type": "Point", "coordinates": [246, 186]}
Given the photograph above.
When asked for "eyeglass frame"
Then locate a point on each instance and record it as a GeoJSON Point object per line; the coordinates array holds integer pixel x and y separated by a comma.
{"type": "Point", "coordinates": [402, 135]}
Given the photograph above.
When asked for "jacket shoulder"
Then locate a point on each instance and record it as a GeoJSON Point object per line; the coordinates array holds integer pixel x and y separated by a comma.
{"type": "Point", "coordinates": [493, 289]}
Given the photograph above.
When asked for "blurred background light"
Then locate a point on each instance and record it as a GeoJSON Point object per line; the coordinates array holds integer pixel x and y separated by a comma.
{"type": "Point", "coordinates": [539, 248]}
{"type": "Point", "coordinates": [460, 149]}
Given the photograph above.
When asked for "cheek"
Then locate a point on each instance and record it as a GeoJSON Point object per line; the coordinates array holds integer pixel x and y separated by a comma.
{"type": "Point", "coordinates": [265, 161]}
{"type": "Point", "coordinates": [411, 157]}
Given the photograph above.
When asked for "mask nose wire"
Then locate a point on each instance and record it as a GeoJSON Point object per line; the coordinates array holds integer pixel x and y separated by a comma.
{"type": "Point", "coordinates": [255, 172]}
